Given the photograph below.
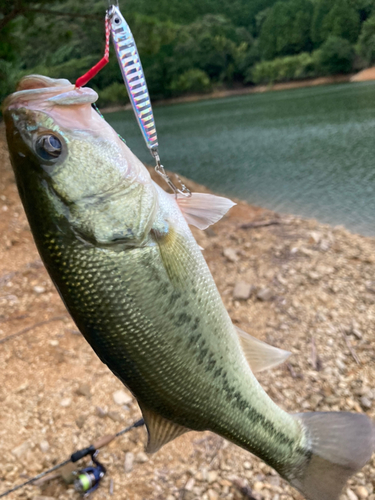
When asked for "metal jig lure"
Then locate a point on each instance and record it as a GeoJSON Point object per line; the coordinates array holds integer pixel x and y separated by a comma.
{"type": "Point", "coordinates": [134, 78]}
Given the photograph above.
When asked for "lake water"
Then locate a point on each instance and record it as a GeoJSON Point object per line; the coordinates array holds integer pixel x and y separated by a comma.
{"type": "Point", "coordinates": [309, 152]}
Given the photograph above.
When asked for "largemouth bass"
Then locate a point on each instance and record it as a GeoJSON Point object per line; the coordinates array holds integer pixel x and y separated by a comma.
{"type": "Point", "coordinates": [121, 254]}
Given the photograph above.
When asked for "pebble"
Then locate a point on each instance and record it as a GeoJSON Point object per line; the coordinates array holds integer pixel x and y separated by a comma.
{"type": "Point", "coordinates": [351, 495]}
{"type": "Point", "coordinates": [265, 295]}
{"type": "Point", "coordinates": [20, 450]}
{"type": "Point", "coordinates": [242, 290]}
{"type": "Point", "coordinates": [121, 398]}
{"type": "Point", "coordinates": [212, 494]}
{"type": "Point", "coordinates": [231, 254]}
{"type": "Point", "coordinates": [100, 412]}
{"type": "Point", "coordinates": [80, 421]}
{"type": "Point", "coordinates": [141, 457]}
{"type": "Point", "coordinates": [190, 484]}
{"type": "Point", "coordinates": [115, 416]}
{"type": "Point", "coordinates": [315, 237]}
{"type": "Point", "coordinates": [44, 446]}
{"type": "Point", "coordinates": [212, 476]}
{"type": "Point", "coordinates": [129, 461]}
{"type": "Point", "coordinates": [365, 403]}
{"type": "Point", "coordinates": [357, 333]}
{"type": "Point", "coordinates": [362, 492]}
{"type": "Point", "coordinates": [258, 486]}
{"type": "Point", "coordinates": [39, 289]}
{"type": "Point", "coordinates": [84, 390]}
{"type": "Point", "coordinates": [65, 402]}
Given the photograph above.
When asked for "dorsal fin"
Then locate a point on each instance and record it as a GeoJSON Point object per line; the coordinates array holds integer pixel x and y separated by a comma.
{"type": "Point", "coordinates": [260, 355]}
{"type": "Point", "coordinates": [160, 430]}
{"type": "Point", "coordinates": [202, 209]}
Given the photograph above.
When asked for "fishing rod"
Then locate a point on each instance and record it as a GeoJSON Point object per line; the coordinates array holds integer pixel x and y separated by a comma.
{"type": "Point", "coordinates": [88, 479]}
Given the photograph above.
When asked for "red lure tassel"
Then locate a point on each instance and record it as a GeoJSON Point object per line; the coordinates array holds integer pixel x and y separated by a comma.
{"type": "Point", "coordinates": [82, 80]}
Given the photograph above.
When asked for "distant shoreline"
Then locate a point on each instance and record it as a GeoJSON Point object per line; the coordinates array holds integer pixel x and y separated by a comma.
{"type": "Point", "coordinates": [257, 89]}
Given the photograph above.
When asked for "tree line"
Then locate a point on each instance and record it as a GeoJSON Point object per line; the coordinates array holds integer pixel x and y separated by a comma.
{"type": "Point", "coordinates": [193, 46]}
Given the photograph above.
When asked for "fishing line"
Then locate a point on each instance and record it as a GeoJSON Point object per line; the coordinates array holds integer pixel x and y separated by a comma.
{"type": "Point", "coordinates": [78, 455]}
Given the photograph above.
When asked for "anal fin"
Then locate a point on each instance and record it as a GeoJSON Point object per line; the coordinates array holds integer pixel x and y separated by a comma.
{"type": "Point", "coordinates": [160, 430]}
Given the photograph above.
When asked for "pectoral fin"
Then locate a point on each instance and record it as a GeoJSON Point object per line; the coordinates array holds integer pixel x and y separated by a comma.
{"type": "Point", "coordinates": [176, 256]}
{"type": "Point", "coordinates": [160, 430]}
{"type": "Point", "coordinates": [202, 209]}
{"type": "Point", "coordinates": [260, 355]}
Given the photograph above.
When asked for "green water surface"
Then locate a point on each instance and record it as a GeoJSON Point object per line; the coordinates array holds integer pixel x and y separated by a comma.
{"type": "Point", "coordinates": [309, 152]}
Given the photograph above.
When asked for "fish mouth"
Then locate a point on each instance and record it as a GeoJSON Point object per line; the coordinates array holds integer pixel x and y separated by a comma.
{"type": "Point", "coordinates": [37, 90]}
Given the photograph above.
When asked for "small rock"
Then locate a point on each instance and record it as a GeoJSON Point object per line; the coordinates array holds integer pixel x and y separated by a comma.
{"type": "Point", "coordinates": [141, 457]}
{"type": "Point", "coordinates": [362, 492]}
{"type": "Point", "coordinates": [357, 333]}
{"type": "Point", "coordinates": [212, 476]}
{"type": "Point", "coordinates": [115, 416]}
{"type": "Point", "coordinates": [365, 403]}
{"type": "Point", "coordinates": [315, 237]}
{"type": "Point", "coordinates": [80, 421]}
{"type": "Point", "coordinates": [129, 461]}
{"type": "Point", "coordinates": [39, 289]}
{"type": "Point", "coordinates": [314, 275]}
{"type": "Point", "coordinates": [242, 290]}
{"type": "Point", "coordinates": [121, 398]}
{"type": "Point", "coordinates": [84, 390]}
{"type": "Point", "coordinates": [65, 402]}
{"type": "Point", "coordinates": [20, 450]}
{"type": "Point", "coordinates": [187, 495]}
{"type": "Point", "coordinates": [22, 387]}
{"type": "Point", "coordinates": [247, 465]}
{"type": "Point", "coordinates": [231, 254]}
{"type": "Point", "coordinates": [340, 365]}
{"type": "Point", "coordinates": [100, 412]}
{"type": "Point", "coordinates": [351, 495]}
{"type": "Point", "coordinates": [265, 294]}
{"type": "Point", "coordinates": [54, 343]}
{"type": "Point", "coordinates": [258, 486]}
{"type": "Point", "coordinates": [190, 484]}
{"type": "Point", "coordinates": [212, 495]}
{"type": "Point", "coordinates": [44, 446]}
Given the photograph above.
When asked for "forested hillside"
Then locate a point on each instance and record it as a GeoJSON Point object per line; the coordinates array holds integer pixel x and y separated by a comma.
{"type": "Point", "coordinates": [188, 46]}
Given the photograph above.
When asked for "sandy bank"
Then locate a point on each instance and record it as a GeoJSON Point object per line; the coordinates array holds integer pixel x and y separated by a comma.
{"type": "Point", "coordinates": [364, 75]}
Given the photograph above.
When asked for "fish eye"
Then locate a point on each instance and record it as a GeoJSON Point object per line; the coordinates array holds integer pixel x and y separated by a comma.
{"type": "Point", "coordinates": [117, 20]}
{"type": "Point", "coordinates": [48, 147]}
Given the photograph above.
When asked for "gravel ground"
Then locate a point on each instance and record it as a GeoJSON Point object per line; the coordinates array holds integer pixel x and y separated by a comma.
{"type": "Point", "coordinates": [297, 284]}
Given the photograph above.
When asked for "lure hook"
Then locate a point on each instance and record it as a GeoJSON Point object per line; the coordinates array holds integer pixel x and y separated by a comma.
{"type": "Point", "coordinates": [159, 168]}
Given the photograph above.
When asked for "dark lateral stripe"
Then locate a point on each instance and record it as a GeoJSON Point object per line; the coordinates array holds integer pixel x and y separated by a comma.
{"type": "Point", "coordinates": [118, 30]}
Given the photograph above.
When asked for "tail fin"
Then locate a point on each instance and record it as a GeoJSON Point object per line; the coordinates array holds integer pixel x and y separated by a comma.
{"type": "Point", "coordinates": [341, 444]}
